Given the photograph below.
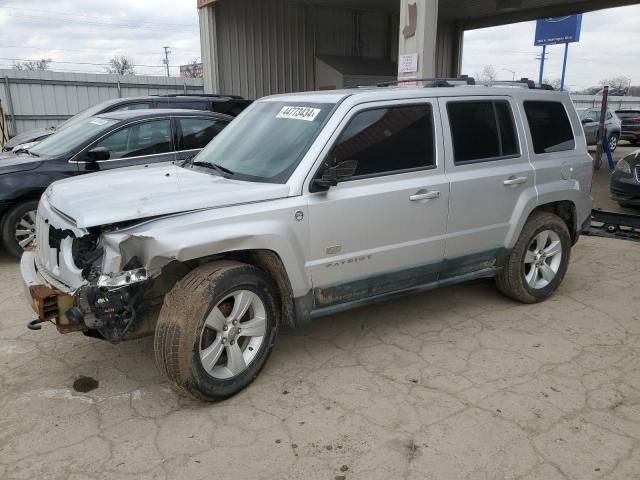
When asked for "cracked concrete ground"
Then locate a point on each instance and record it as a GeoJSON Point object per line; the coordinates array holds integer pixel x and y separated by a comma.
{"type": "Point", "coordinates": [458, 383]}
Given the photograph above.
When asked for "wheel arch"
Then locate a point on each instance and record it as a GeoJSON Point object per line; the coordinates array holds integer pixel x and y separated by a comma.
{"type": "Point", "coordinates": [270, 263]}
{"type": "Point", "coordinates": [566, 210]}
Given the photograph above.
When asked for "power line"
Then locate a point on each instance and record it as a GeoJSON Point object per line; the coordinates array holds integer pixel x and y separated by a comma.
{"type": "Point", "coordinates": [82, 63]}
{"type": "Point", "coordinates": [133, 52]}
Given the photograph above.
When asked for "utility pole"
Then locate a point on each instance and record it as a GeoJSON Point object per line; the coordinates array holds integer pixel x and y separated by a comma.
{"type": "Point", "coordinates": [542, 59]}
{"type": "Point", "coordinates": [166, 59]}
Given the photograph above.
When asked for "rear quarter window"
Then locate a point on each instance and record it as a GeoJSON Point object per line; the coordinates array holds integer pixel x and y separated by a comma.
{"type": "Point", "coordinates": [549, 126]}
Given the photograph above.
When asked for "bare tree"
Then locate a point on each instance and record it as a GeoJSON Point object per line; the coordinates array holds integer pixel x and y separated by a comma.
{"type": "Point", "coordinates": [619, 83]}
{"type": "Point", "coordinates": [33, 65]}
{"type": "Point", "coordinates": [633, 91]}
{"type": "Point", "coordinates": [554, 82]}
{"type": "Point", "coordinates": [121, 65]}
{"type": "Point", "coordinates": [487, 74]}
{"type": "Point", "coordinates": [192, 70]}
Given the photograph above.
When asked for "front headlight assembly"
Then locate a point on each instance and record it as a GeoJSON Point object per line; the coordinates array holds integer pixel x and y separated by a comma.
{"type": "Point", "coordinates": [623, 167]}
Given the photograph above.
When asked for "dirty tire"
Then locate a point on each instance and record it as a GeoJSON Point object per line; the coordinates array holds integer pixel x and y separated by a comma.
{"type": "Point", "coordinates": [8, 227]}
{"type": "Point", "coordinates": [511, 279]}
{"type": "Point", "coordinates": [177, 337]}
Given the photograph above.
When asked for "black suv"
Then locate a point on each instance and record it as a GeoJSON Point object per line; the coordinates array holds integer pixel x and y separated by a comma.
{"type": "Point", "coordinates": [104, 142]}
{"type": "Point", "coordinates": [625, 181]}
{"type": "Point", "coordinates": [630, 125]}
{"type": "Point", "coordinates": [228, 104]}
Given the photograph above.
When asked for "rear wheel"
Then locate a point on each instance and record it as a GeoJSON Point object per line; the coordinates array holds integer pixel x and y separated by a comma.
{"type": "Point", "coordinates": [538, 263]}
{"type": "Point", "coordinates": [217, 329]}
{"type": "Point", "coordinates": [19, 227]}
{"type": "Point", "coordinates": [613, 141]}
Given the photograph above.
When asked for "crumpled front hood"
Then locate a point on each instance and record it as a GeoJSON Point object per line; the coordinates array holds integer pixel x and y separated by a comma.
{"type": "Point", "coordinates": [29, 136]}
{"type": "Point", "coordinates": [127, 194]}
{"type": "Point", "coordinates": [11, 163]}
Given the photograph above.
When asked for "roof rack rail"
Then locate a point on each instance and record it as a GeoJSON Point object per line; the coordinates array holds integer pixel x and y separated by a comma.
{"type": "Point", "coordinates": [523, 82]}
{"type": "Point", "coordinates": [432, 82]}
{"type": "Point", "coordinates": [463, 80]}
{"type": "Point", "coordinates": [207, 95]}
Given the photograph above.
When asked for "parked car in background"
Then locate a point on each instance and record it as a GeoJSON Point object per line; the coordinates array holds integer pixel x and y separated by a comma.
{"type": "Point", "coordinates": [625, 181]}
{"type": "Point", "coordinates": [104, 142]}
{"type": "Point", "coordinates": [630, 125]}
{"type": "Point", "coordinates": [590, 118]}
{"type": "Point", "coordinates": [310, 204]}
{"type": "Point", "coordinates": [228, 104]}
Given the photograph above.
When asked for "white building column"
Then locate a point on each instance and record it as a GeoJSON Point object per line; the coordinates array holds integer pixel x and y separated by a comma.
{"type": "Point", "coordinates": [418, 36]}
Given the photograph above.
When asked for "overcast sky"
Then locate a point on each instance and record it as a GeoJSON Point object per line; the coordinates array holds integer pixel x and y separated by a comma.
{"type": "Point", "coordinates": [86, 31]}
{"type": "Point", "coordinates": [90, 32]}
{"type": "Point", "coordinates": [609, 47]}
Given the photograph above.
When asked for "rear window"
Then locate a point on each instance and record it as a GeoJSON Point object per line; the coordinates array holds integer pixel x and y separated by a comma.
{"type": "Point", "coordinates": [550, 127]}
{"type": "Point", "coordinates": [482, 131]}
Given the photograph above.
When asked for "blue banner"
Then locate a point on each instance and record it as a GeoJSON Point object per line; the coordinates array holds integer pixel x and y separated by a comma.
{"type": "Point", "coordinates": [552, 31]}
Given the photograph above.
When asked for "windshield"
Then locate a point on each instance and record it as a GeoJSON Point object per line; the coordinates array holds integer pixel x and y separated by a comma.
{"type": "Point", "coordinates": [70, 138]}
{"type": "Point", "coordinates": [83, 115]}
{"type": "Point", "coordinates": [267, 141]}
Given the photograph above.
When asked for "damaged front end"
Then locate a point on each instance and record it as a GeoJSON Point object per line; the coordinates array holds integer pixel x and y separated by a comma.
{"type": "Point", "coordinates": [79, 280]}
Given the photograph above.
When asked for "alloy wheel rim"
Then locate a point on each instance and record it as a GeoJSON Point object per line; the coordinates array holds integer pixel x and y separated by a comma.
{"type": "Point", "coordinates": [613, 143]}
{"type": "Point", "coordinates": [25, 233]}
{"type": "Point", "coordinates": [232, 334]}
{"type": "Point", "coordinates": [542, 259]}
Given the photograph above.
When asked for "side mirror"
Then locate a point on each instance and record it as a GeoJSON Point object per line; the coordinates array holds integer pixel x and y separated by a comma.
{"type": "Point", "coordinates": [335, 173]}
{"type": "Point", "coordinates": [98, 154]}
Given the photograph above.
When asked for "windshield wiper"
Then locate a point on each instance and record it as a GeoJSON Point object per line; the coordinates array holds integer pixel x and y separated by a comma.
{"type": "Point", "coordinates": [27, 151]}
{"type": "Point", "coordinates": [214, 166]}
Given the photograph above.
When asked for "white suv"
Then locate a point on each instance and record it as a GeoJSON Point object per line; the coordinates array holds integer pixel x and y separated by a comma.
{"type": "Point", "coordinates": [309, 204]}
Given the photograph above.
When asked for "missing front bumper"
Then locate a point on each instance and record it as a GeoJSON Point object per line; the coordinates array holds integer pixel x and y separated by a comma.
{"type": "Point", "coordinates": [51, 305]}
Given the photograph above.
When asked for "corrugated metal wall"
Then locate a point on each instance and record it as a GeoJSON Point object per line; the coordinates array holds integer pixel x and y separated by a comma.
{"type": "Point", "coordinates": [261, 47]}
{"type": "Point", "coordinates": [43, 99]}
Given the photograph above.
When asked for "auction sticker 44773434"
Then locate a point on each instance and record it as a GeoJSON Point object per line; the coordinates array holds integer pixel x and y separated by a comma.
{"type": "Point", "coordinates": [307, 114]}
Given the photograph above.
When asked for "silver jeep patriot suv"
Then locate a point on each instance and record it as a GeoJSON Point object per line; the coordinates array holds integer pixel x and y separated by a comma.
{"type": "Point", "coordinates": [308, 204]}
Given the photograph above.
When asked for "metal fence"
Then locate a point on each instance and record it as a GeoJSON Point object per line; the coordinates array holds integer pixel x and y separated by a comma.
{"type": "Point", "coordinates": [615, 103]}
{"type": "Point", "coordinates": [43, 99]}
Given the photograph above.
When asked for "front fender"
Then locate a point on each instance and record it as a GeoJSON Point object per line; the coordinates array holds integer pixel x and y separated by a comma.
{"type": "Point", "coordinates": [259, 226]}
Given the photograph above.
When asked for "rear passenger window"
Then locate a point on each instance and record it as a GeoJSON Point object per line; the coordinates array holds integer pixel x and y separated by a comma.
{"type": "Point", "coordinates": [482, 131]}
{"type": "Point", "coordinates": [550, 127]}
{"type": "Point", "coordinates": [189, 105]}
{"type": "Point", "coordinates": [198, 132]}
{"type": "Point", "coordinates": [387, 140]}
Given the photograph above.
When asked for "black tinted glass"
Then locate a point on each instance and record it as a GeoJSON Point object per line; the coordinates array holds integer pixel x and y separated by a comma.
{"type": "Point", "coordinates": [507, 129]}
{"type": "Point", "coordinates": [550, 127]}
{"type": "Point", "coordinates": [188, 105]}
{"type": "Point", "coordinates": [388, 140]}
{"type": "Point", "coordinates": [474, 130]}
{"type": "Point", "coordinates": [141, 139]}
{"type": "Point", "coordinates": [198, 132]}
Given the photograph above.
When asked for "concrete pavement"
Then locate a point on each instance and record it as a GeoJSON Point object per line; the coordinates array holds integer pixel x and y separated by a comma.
{"type": "Point", "coordinates": [458, 383]}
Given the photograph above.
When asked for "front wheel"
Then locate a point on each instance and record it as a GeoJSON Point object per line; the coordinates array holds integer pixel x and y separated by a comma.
{"type": "Point", "coordinates": [613, 142]}
{"type": "Point", "coordinates": [19, 227]}
{"type": "Point", "coordinates": [538, 263]}
{"type": "Point", "coordinates": [216, 330]}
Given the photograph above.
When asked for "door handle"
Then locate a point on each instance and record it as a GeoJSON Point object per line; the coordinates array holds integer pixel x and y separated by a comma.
{"type": "Point", "coordinates": [419, 197]}
{"type": "Point", "coordinates": [515, 181]}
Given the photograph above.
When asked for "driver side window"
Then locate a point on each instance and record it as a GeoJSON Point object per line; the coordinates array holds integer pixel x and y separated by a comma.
{"type": "Point", "coordinates": [388, 140]}
{"type": "Point", "coordinates": [147, 138]}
